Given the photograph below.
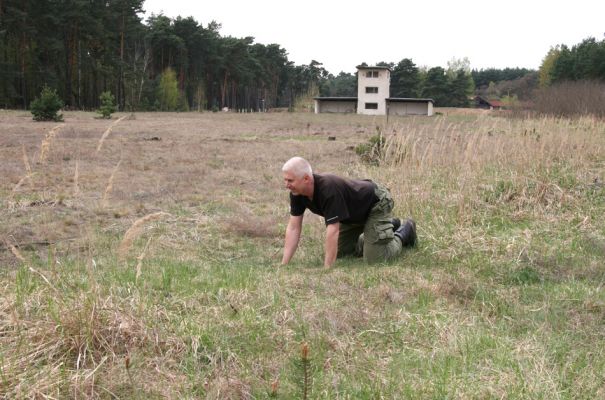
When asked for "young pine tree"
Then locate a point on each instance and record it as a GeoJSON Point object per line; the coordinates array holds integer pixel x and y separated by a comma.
{"type": "Point", "coordinates": [108, 105]}
{"type": "Point", "coordinates": [47, 106]}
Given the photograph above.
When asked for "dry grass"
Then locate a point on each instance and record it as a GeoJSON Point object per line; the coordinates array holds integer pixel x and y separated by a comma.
{"type": "Point", "coordinates": [82, 335]}
{"type": "Point", "coordinates": [492, 142]}
{"type": "Point", "coordinates": [506, 282]}
{"type": "Point", "coordinates": [535, 168]}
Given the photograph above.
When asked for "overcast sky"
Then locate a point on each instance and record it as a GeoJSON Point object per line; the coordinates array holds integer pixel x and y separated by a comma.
{"type": "Point", "coordinates": [342, 34]}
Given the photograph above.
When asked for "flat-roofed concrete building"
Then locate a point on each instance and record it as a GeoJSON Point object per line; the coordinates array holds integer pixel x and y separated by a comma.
{"type": "Point", "coordinates": [336, 105]}
{"type": "Point", "coordinates": [409, 106]}
{"type": "Point", "coordinates": [373, 87]}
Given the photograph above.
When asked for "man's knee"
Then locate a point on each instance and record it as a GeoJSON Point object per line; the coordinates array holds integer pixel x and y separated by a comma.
{"type": "Point", "coordinates": [380, 252]}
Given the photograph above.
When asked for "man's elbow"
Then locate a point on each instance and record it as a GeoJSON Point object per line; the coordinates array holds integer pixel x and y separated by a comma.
{"type": "Point", "coordinates": [333, 229]}
{"type": "Point", "coordinates": [295, 224]}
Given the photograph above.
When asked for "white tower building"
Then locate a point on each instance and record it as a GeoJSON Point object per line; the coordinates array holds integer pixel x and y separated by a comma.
{"type": "Point", "coordinates": [372, 90]}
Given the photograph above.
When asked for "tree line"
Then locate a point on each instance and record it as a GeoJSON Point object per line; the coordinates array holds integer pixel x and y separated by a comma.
{"type": "Point", "coordinates": [584, 61]}
{"type": "Point", "coordinates": [83, 48]}
{"type": "Point", "coordinates": [572, 80]}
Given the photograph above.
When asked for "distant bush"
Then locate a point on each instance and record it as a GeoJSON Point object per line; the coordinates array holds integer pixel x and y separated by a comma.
{"type": "Point", "coordinates": [572, 99]}
{"type": "Point", "coordinates": [510, 102]}
{"type": "Point", "coordinates": [47, 106]}
{"type": "Point", "coordinates": [108, 104]}
{"type": "Point", "coordinates": [523, 88]}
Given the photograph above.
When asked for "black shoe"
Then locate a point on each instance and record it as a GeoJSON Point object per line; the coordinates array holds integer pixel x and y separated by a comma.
{"type": "Point", "coordinates": [407, 233]}
{"type": "Point", "coordinates": [396, 223]}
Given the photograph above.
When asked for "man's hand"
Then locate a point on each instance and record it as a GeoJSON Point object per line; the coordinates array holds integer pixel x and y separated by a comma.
{"type": "Point", "coordinates": [331, 246]}
{"type": "Point", "coordinates": [292, 237]}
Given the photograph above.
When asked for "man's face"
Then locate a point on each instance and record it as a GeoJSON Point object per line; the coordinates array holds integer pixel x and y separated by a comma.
{"type": "Point", "coordinates": [294, 184]}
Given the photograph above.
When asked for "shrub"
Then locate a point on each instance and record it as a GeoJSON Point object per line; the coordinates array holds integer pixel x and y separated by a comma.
{"type": "Point", "coordinates": [371, 152]}
{"type": "Point", "coordinates": [108, 105]}
{"type": "Point", "coordinates": [46, 107]}
{"type": "Point", "coordinates": [525, 276]}
{"type": "Point", "coordinates": [572, 99]}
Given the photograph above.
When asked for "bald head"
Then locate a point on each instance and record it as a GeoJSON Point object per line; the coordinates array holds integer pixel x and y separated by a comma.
{"type": "Point", "coordinates": [298, 166]}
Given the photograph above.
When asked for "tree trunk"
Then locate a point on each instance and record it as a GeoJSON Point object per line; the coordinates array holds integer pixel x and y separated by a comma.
{"type": "Point", "coordinates": [79, 75]}
{"type": "Point", "coordinates": [223, 90]}
{"type": "Point", "coordinates": [22, 49]}
{"type": "Point", "coordinates": [67, 70]}
{"type": "Point", "coordinates": [70, 58]}
{"type": "Point", "coordinates": [120, 94]}
{"type": "Point", "coordinates": [146, 62]}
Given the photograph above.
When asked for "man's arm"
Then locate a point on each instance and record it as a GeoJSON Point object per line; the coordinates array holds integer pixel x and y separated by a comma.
{"type": "Point", "coordinates": [292, 237]}
{"type": "Point", "coordinates": [331, 246]}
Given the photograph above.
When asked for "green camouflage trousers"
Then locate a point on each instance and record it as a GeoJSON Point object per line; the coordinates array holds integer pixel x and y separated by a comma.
{"type": "Point", "coordinates": [373, 240]}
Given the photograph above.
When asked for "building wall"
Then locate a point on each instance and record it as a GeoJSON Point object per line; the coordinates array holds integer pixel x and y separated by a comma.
{"type": "Point", "coordinates": [381, 82]}
{"type": "Point", "coordinates": [334, 106]}
{"type": "Point", "coordinates": [411, 108]}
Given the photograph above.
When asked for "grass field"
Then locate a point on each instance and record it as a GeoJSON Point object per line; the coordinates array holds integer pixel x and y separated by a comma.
{"type": "Point", "coordinates": [139, 258]}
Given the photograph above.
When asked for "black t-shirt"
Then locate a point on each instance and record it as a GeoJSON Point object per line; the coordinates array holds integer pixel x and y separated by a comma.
{"type": "Point", "coordinates": [337, 199]}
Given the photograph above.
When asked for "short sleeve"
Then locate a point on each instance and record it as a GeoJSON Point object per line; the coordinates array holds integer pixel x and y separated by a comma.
{"type": "Point", "coordinates": [335, 209]}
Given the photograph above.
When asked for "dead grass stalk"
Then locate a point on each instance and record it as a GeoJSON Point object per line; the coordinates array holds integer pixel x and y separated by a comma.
{"type": "Point", "coordinates": [16, 252]}
{"type": "Point", "coordinates": [135, 231]}
{"type": "Point", "coordinates": [19, 184]}
{"type": "Point", "coordinates": [46, 142]}
{"type": "Point", "coordinates": [107, 132]}
{"type": "Point", "coordinates": [28, 168]}
{"type": "Point", "coordinates": [109, 186]}
{"type": "Point", "coordinates": [140, 260]}
{"type": "Point", "coordinates": [28, 172]}
{"type": "Point", "coordinates": [76, 177]}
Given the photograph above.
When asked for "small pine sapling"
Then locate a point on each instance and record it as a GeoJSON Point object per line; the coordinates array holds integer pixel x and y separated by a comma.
{"type": "Point", "coordinates": [108, 105]}
{"type": "Point", "coordinates": [47, 106]}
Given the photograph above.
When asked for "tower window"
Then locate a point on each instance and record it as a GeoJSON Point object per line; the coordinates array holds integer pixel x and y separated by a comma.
{"type": "Point", "coordinates": [371, 106]}
{"type": "Point", "coordinates": [370, 89]}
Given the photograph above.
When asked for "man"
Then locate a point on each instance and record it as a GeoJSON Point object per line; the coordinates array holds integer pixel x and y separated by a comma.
{"type": "Point", "coordinates": [357, 214]}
